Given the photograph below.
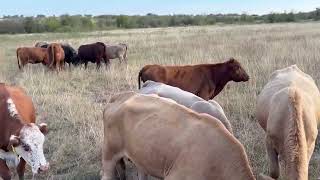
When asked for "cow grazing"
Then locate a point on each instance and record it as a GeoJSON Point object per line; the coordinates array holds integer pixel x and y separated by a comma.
{"type": "Point", "coordinates": [94, 53]}
{"type": "Point", "coordinates": [288, 109]}
{"type": "Point", "coordinates": [203, 80]}
{"type": "Point", "coordinates": [170, 141]}
{"type": "Point", "coordinates": [70, 53]}
{"type": "Point", "coordinates": [187, 99]}
{"type": "Point", "coordinates": [56, 56]}
{"type": "Point", "coordinates": [19, 135]}
{"type": "Point", "coordinates": [117, 51]}
{"type": "Point", "coordinates": [31, 55]}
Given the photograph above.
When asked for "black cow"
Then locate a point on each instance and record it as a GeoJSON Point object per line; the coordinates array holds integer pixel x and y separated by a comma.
{"type": "Point", "coordinates": [70, 54]}
{"type": "Point", "coordinates": [94, 53]}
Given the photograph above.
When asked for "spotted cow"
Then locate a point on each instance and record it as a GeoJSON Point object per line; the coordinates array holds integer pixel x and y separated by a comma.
{"type": "Point", "coordinates": [21, 140]}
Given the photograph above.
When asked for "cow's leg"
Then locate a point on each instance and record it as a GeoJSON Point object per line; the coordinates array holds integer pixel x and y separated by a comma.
{"type": "Point", "coordinates": [57, 66]}
{"type": "Point", "coordinates": [273, 158]}
{"type": "Point", "coordinates": [142, 175]}
{"type": "Point", "coordinates": [86, 65]}
{"type": "Point", "coordinates": [62, 65]}
{"type": "Point", "coordinates": [21, 168]}
{"type": "Point", "coordinates": [108, 167]}
{"type": "Point", "coordinates": [4, 170]}
{"type": "Point", "coordinates": [121, 169]}
{"type": "Point", "coordinates": [107, 63]}
{"type": "Point", "coordinates": [24, 64]}
{"type": "Point", "coordinates": [120, 59]}
{"type": "Point", "coordinates": [109, 161]}
{"type": "Point", "coordinates": [98, 64]}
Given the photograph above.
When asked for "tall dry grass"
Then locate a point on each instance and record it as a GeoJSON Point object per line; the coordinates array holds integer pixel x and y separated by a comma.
{"type": "Point", "coordinates": [72, 102]}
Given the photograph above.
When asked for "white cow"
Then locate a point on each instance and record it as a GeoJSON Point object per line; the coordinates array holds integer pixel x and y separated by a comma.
{"type": "Point", "coordinates": [188, 100]}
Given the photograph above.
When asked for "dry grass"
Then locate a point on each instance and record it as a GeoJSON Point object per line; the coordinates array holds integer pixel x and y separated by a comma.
{"type": "Point", "coordinates": [72, 102]}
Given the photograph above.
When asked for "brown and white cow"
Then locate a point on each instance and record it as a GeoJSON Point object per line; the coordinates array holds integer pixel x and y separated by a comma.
{"type": "Point", "coordinates": [170, 141]}
{"type": "Point", "coordinates": [56, 56]}
{"type": "Point", "coordinates": [31, 55]}
{"type": "Point", "coordinates": [21, 140]}
{"type": "Point", "coordinates": [288, 109]}
{"type": "Point", "coordinates": [203, 80]}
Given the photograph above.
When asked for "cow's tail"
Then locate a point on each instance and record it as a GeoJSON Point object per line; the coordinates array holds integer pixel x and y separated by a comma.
{"type": "Point", "coordinates": [296, 137]}
{"type": "Point", "coordinates": [51, 56]}
{"type": "Point", "coordinates": [18, 59]}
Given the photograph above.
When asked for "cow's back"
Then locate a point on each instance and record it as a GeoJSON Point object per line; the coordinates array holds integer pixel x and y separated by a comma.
{"type": "Point", "coordinates": [188, 78]}
{"type": "Point", "coordinates": [181, 97]}
{"type": "Point", "coordinates": [91, 51]}
{"type": "Point", "coordinates": [174, 133]}
{"type": "Point", "coordinates": [291, 76]}
{"type": "Point", "coordinates": [114, 51]}
{"type": "Point", "coordinates": [213, 109]}
{"type": "Point", "coordinates": [23, 103]}
{"type": "Point", "coordinates": [32, 53]}
{"type": "Point", "coordinates": [13, 99]}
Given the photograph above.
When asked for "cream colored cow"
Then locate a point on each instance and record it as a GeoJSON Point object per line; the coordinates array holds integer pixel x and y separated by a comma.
{"type": "Point", "coordinates": [170, 141]}
{"type": "Point", "coordinates": [288, 109]}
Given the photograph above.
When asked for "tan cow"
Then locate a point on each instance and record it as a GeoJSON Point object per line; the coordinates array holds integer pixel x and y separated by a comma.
{"type": "Point", "coordinates": [167, 140]}
{"type": "Point", "coordinates": [31, 55]}
{"type": "Point", "coordinates": [288, 110]}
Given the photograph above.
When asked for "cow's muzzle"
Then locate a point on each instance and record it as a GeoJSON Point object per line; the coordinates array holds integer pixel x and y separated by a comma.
{"type": "Point", "coordinates": [43, 168]}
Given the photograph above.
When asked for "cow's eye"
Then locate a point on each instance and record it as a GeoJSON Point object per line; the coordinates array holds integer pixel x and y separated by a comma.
{"type": "Point", "coordinates": [26, 147]}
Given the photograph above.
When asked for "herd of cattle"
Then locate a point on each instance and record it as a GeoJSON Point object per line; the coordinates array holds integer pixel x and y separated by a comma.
{"type": "Point", "coordinates": [172, 128]}
{"type": "Point", "coordinates": [55, 55]}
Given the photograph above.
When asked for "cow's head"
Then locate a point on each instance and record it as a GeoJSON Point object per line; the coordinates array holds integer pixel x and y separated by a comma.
{"type": "Point", "coordinates": [29, 145]}
{"type": "Point", "coordinates": [76, 60]}
{"type": "Point", "coordinates": [235, 71]}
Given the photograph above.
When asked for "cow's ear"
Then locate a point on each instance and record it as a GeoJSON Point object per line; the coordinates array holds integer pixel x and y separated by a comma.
{"type": "Point", "coordinates": [44, 128]}
{"type": "Point", "coordinates": [13, 141]}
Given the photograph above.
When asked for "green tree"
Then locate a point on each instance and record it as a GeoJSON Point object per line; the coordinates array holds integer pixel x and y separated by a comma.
{"type": "Point", "coordinates": [317, 14]}
{"type": "Point", "coordinates": [271, 18]}
{"type": "Point", "coordinates": [28, 24]}
{"type": "Point", "coordinates": [52, 24]}
{"type": "Point", "coordinates": [122, 21]}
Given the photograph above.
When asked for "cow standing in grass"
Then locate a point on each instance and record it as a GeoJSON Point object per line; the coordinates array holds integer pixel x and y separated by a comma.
{"type": "Point", "coordinates": [203, 80]}
{"type": "Point", "coordinates": [288, 109]}
{"type": "Point", "coordinates": [56, 56]}
{"type": "Point", "coordinates": [117, 51]}
{"type": "Point", "coordinates": [21, 140]}
{"type": "Point", "coordinates": [170, 141]}
{"type": "Point", "coordinates": [95, 53]}
{"type": "Point", "coordinates": [32, 55]}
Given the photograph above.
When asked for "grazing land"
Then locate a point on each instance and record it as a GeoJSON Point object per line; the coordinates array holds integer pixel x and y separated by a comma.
{"type": "Point", "coordinates": [72, 102]}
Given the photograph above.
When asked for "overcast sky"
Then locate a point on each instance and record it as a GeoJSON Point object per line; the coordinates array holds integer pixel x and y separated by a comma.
{"type": "Point", "coordinates": [141, 7]}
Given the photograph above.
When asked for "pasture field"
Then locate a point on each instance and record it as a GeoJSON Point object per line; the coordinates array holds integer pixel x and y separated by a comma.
{"type": "Point", "coordinates": [72, 102]}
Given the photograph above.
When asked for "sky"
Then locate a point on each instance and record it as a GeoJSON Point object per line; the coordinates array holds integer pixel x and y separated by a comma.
{"type": "Point", "coordinates": [142, 7]}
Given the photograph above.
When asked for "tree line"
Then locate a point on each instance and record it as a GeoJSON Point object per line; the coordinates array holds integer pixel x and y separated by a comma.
{"type": "Point", "coordinates": [76, 23]}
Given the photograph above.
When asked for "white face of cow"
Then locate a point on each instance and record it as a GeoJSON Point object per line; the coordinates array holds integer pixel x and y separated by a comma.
{"type": "Point", "coordinates": [29, 145]}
